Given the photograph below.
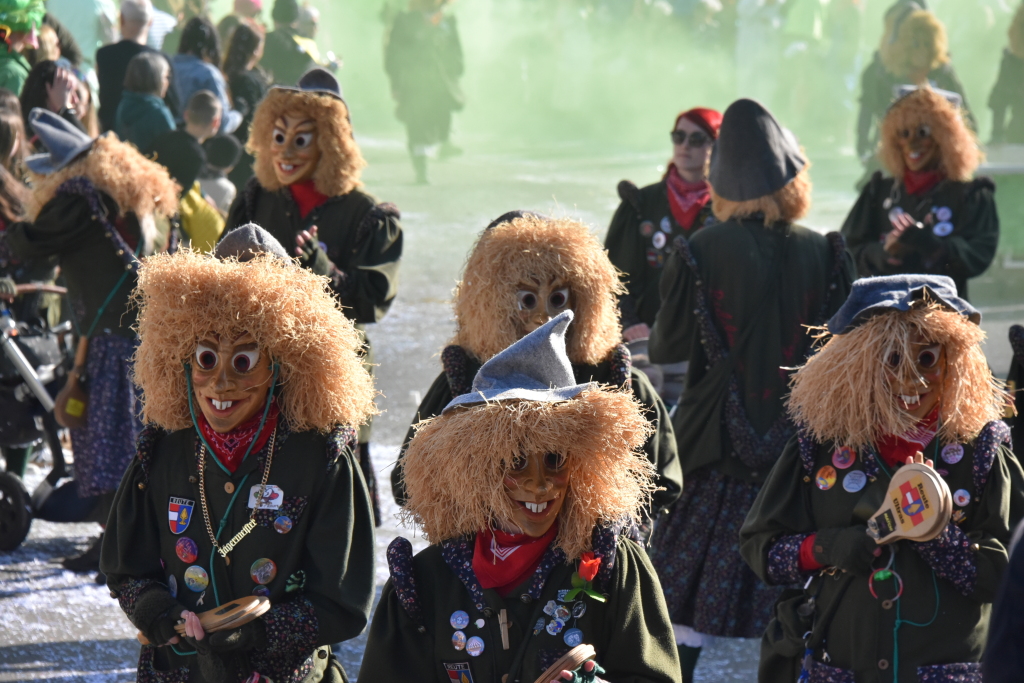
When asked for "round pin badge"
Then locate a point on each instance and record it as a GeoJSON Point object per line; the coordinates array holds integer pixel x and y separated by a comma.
{"type": "Point", "coordinates": [562, 613]}
{"type": "Point", "coordinates": [555, 626]}
{"type": "Point", "coordinates": [261, 590]}
{"type": "Point", "coordinates": [475, 646]}
{"type": "Point", "coordinates": [263, 571]}
{"type": "Point", "coordinates": [459, 620]}
{"type": "Point", "coordinates": [549, 609]}
{"type": "Point", "coordinates": [854, 481]}
{"type": "Point", "coordinates": [283, 524]}
{"type": "Point", "coordinates": [196, 578]}
{"type": "Point", "coordinates": [186, 550]}
{"type": "Point", "coordinates": [647, 228]}
{"type": "Point", "coordinates": [459, 641]}
{"type": "Point", "coordinates": [942, 229]}
{"type": "Point", "coordinates": [666, 224]}
{"type": "Point", "coordinates": [572, 637]}
{"type": "Point", "coordinates": [895, 212]}
{"type": "Point", "coordinates": [962, 497]}
{"type": "Point", "coordinates": [826, 478]}
{"type": "Point", "coordinates": [952, 453]}
{"type": "Point", "coordinates": [480, 623]}
{"type": "Point", "coordinates": [844, 457]}
{"type": "Point", "coordinates": [172, 586]}
{"type": "Point", "coordinates": [659, 240]}
{"type": "Point", "coordinates": [579, 609]}
{"type": "Point", "coordinates": [943, 213]}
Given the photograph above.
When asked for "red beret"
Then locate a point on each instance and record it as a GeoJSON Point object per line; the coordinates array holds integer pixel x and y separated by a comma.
{"type": "Point", "coordinates": [708, 119]}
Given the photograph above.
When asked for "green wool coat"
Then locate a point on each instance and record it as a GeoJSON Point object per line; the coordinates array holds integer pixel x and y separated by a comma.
{"type": "Point", "coordinates": [324, 583]}
{"type": "Point", "coordinates": [949, 583]}
{"type": "Point", "coordinates": [411, 635]}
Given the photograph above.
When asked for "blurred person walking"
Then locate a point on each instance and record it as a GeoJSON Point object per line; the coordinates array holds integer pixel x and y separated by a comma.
{"type": "Point", "coordinates": [19, 25]}
{"type": "Point", "coordinates": [196, 67]}
{"type": "Point", "coordinates": [243, 12]}
{"type": "Point", "coordinates": [1007, 95]}
{"type": "Point", "coordinates": [423, 60]}
{"type": "Point", "coordinates": [644, 227]}
{"type": "Point", "coordinates": [283, 57]}
{"type": "Point", "coordinates": [248, 84]}
{"type": "Point", "coordinates": [142, 116]}
{"type": "Point", "coordinates": [736, 300]}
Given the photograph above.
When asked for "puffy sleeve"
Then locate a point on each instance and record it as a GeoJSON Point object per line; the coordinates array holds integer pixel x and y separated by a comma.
{"type": "Point", "coordinates": [368, 285]}
{"type": "Point", "coordinates": [674, 334]}
{"type": "Point", "coordinates": [661, 448]}
{"type": "Point", "coordinates": [64, 224]}
{"type": "Point", "coordinates": [970, 250]}
{"type": "Point", "coordinates": [393, 632]}
{"type": "Point", "coordinates": [1004, 658]}
{"type": "Point", "coordinates": [861, 232]}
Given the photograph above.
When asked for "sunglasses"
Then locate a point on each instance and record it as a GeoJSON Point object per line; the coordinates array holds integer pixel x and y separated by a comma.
{"type": "Point", "coordinates": [696, 138]}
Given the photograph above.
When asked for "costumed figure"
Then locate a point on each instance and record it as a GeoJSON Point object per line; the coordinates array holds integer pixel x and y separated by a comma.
{"type": "Point", "coordinates": [246, 480]}
{"type": "Point", "coordinates": [307, 192]}
{"type": "Point", "coordinates": [92, 210]}
{"type": "Point", "coordinates": [525, 269]}
{"type": "Point", "coordinates": [423, 59]}
{"type": "Point", "coordinates": [930, 216]}
{"type": "Point", "coordinates": [913, 51]}
{"type": "Point", "coordinates": [901, 379]}
{"type": "Point", "coordinates": [644, 226]}
{"type": "Point", "coordinates": [528, 488]}
{"type": "Point", "coordinates": [1008, 93]}
{"type": "Point", "coordinates": [736, 300]}
{"type": "Point", "coordinates": [285, 56]}
{"type": "Point", "coordinates": [20, 21]}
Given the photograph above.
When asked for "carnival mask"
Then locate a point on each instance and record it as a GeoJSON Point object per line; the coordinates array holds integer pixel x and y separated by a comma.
{"type": "Point", "coordinates": [294, 149]}
{"type": "Point", "coordinates": [918, 391]}
{"type": "Point", "coordinates": [536, 484]}
{"type": "Point", "coordinates": [230, 378]}
{"type": "Point", "coordinates": [919, 149]}
{"type": "Point", "coordinates": [540, 303]}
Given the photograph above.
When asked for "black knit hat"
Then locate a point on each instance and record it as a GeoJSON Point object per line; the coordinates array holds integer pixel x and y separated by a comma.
{"type": "Point", "coordinates": [754, 155]}
{"type": "Point", "coordinates": [222, 151]}
{"type": "Point", "coordinates": [285, 11]}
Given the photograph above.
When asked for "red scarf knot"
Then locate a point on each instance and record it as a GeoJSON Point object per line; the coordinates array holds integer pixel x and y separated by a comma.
{"type": "Point", "coordinates": [230, 447]}
{"type": "Point", "coordinates": [919, 182]}
{"type": "Point", "coordinates": [503, 561]}
{"type": "Point", "coordinates": [307, 196]}
{"type": "Point", "coordinates": [896, 449]}
{"type": "Point", "coordinates": [685, 199]}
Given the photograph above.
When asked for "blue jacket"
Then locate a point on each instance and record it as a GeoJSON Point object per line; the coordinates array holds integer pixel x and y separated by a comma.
{"type": "Point", "coordinates": [192, 74]}
{"type": "Point", "coordinates": [141, 119]}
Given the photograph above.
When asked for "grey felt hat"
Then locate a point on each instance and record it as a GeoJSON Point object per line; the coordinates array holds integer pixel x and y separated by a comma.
{"type": "Point", "coordinates": [246, 241]}
{"type": "Point", "coordinates": [64, 142]}
{"type": "Point", "coordinates": [754, 155]}
{"type": "Point", "coordinates": [873, 295]}
{"type": "Point", "coordinates": [535, 368]}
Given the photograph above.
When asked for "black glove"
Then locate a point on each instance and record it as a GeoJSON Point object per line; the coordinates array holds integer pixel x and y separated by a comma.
{"type": "Point", "coordinates": [922, 241]}
{"type": "Point", "coordinates": [315, 258]}
{"type": "Point", "coordinates": [155, 614]}
{"type": "Point", "coordinates": [848, 548]}
{"type": "Point", "coordinates": [581, 675]}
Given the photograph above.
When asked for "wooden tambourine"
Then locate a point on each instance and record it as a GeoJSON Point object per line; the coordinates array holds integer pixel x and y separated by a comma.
{"type": "Point", "coordinates": [569, 661]}
{"type": "Point", "coordinates": [917, 507]}
{"type": "Point", "coordinates": [226, 617]}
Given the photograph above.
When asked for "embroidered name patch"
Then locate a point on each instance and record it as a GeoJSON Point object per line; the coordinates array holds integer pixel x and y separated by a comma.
{"type": "Point", "coordinates": [179, 513]}
{"type": "Point", "coordinates": [458, 672]}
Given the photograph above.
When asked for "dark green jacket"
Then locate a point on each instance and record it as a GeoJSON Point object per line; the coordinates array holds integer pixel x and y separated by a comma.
{"type": "Point", "coordinates": [14, 70]}
{"type": "Point", "coordinates": [457, 379]}
{"type": "Point", "coordinates": [961, 244]}
{"type": "Point", "coordinates": [363, 240]}
{"type": "Point", "coordinates": [411, 633]}
{"type": "Point", "coordinates": [324, 586]}
{"type": "Point", "coordinates": [632, 241]}
{"type": "Point", "coordinates": [952, 579]}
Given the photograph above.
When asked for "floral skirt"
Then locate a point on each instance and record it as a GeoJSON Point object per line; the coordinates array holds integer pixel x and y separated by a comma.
{"type": "Point", "coordinates": [106, 445]}
{"type": "Point", "coordinates": [695, 549]}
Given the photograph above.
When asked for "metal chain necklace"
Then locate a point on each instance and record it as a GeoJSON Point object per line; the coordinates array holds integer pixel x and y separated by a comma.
{"type": "Point", "coordinates": [251, 524]}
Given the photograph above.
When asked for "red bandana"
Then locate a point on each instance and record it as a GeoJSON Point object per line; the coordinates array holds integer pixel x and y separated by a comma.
{"type": "Point", "coordinates": [503, 561]}
{"type": "Point", "coordinates": [307, 196]}
{"type": "Point", "coordinates": [685, 199]}
{"type": "Point", "coordinates": [229, 448]}
{"type": "Point", "coordinates": [919, 182]}
{"type": "Point", "coordinates": [896, 449]}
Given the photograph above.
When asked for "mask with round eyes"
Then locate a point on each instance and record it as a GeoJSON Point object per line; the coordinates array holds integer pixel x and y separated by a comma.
{"type": "Point", "coordinates": [919, 149]}
{"type": "Point", "coordinates": [230, 380]}
{"type": "Point", "coordinates": [536, 484]}
{"type": "Point", "coordinates": [919, 390]}
{"type": "Point", "coordinates": [294, 149]}
{"type": "Point", "coordinates": [538, 304]}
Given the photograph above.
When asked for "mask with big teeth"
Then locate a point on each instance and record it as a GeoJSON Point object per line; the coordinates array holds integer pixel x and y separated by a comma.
{"type": "Point", "coordinates": [230, 379]}
{"type": "Point", "coordinates": [294, 148]}
{"type": "Point", "coordinates": [917, 387]}
{"type": "Point", "coordinates": [536, 485]}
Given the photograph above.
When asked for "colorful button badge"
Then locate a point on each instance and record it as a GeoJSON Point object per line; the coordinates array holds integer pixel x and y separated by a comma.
{"type": "Point", "coordinates": [962, 497]}
{"type": "Point", "coordinates": [459, 640]}
{"type": "Point", "coordinates": [573, 637]}
{"type": "Point", "coordinates": [952, 453]}
{"type": "Point", "coordinates": [186, 550]}
{"type": "Point", "coordinates": [459, 620]}
{"type": "Point", "coordinates": [475, 646]}
{"type": "Point", "coordinates": [196, 578]}
{"type": "Point", "coordinates": [261, 590]}
{"type": "Point", "coordinates": [826, 478]}
{"type": "Point", "coordinates": [283, 524]}
{"type": "Point", "coordinates": [263, 571]}
{"type": "Point", "coordinates": [844, 457]}
{"type": "Point", "coordinates": [854, 481]}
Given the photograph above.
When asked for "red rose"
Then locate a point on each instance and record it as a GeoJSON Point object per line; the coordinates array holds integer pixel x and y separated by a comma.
{"type": "Point", "coordinates": [588, 566]}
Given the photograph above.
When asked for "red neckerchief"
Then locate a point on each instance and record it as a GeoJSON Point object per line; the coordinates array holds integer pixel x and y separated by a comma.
{"type": "Point", "coordinates": [503, 561]}
{"type": "Point", "coordinates": [229, 448]}
{"type": "Point", "coordinates": [919, 182]}
{"type": "Point", "coordinates": [896, 449]}
{"type": "Point", "coordinates": [685, 199]}
{"type": "Point", "coordinates": [307, 196]}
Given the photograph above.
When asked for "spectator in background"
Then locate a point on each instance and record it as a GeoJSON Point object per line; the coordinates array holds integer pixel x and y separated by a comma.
{"type": "Point", "coordinates": [196, 68]}
{"type": "Point", "coordinates": [112, 60]}
{"type": "Point", "coordinates": [52, 87]}
{"type": "Point", "coordinates": [283, 57]}
{"type": "Point", "coordinates": [245, 12]}
{"type": "Point", "coordinates": [184, 13]}
{"type": "Point", "coordinates": [20, 30]}
{"type": "Point", "coordinates": [49, 46]}
{"type": "Point", "coordinates": [164, 22]}
{"type": "Point", "coordinates": [93, 23]}
{"type": "Point", "coordinates": [1008, 92]}
{"type": "Point", "coordinates": [248, 85]}
{"type": "Point", "coordinates": [222, 153]}
{"type": "Point", "coordinates": [142, 116]}
{"type": "Point", "coordinates": [12, 134]}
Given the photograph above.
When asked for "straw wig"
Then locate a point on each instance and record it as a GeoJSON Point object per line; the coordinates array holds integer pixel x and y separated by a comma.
{"type": "Point", "coordinates": [843, 393]}
{"type": "Point", "coordinates": [789, 203]}
{"type": "Point", "coordinates": [341, 162]}
{"type": "Point", "coordinates": [918, 30]}
{"type": "Point", "coordinates": [456, 464]}
{"type": "Point", "coordinates": [533, 248]}
{"type": "Point", "coordinates": [288, 310]}
{"type": "Point", "coordinates": [959, 155]}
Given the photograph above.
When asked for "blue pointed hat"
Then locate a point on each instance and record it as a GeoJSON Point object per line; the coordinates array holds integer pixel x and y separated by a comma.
{"type": "Point", "coordinates": [870, 296]}
{"type": "Point", "coordinates": [64, 142]}
{"type": "Point", "coordinates": [535, 368]}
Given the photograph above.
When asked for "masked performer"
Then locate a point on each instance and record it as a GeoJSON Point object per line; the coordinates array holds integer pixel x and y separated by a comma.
{"type": "Point", "coordinates": [527, 487]}
{"type": "Point", "coordinates": [644, 226]}
{"type": "Point", "coordinates": [92, 210]}
{"type": "Point", "coordinates": [306, 192]}
{"type": "Point", "coordinates": [930, 217]}
{"type": "Point", "coordinates": [524, 270]}
{"type": "Point", "coordinates": [1007, 94]}
{"type": "Point", "coordinates": [736, 300]}
{"type": "Point", "coordinates": [252, 387]}
{"type": "Point", "coordinates": [901, 375]}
